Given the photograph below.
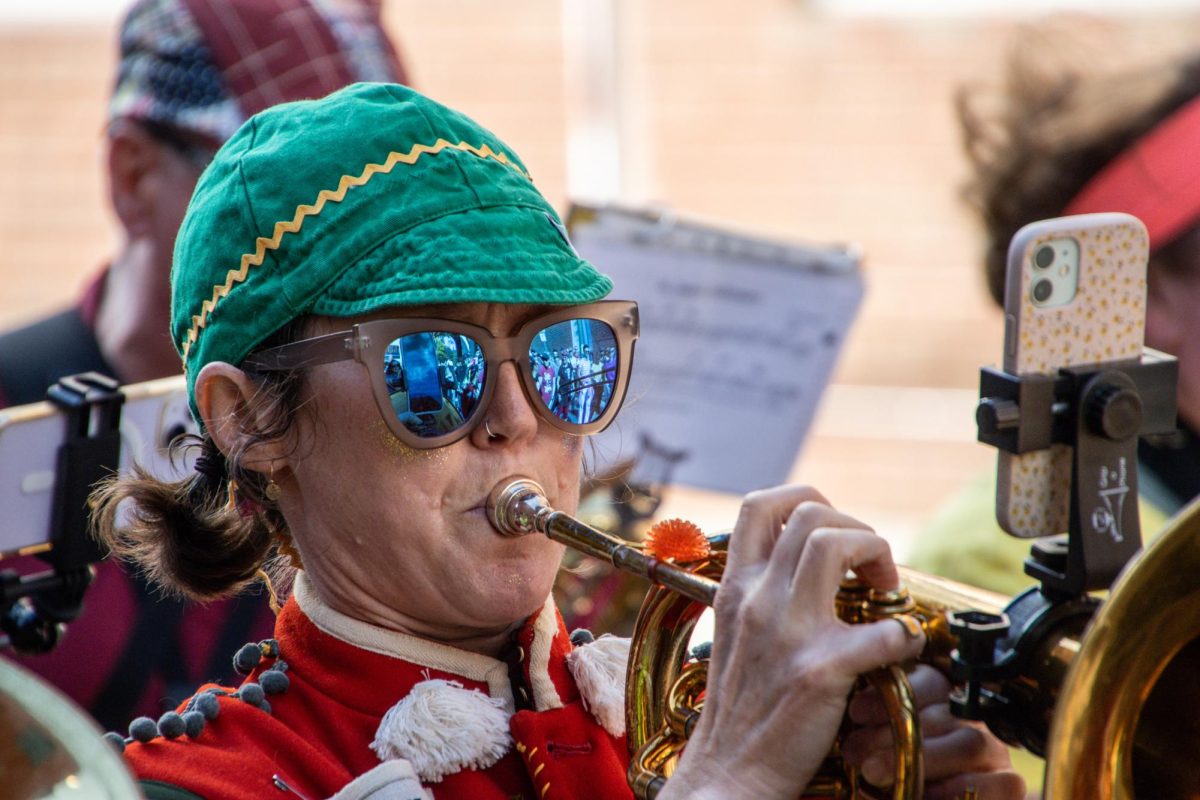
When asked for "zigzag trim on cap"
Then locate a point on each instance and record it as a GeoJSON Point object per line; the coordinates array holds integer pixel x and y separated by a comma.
{"type": "Point", "coordinates": [263, 244]}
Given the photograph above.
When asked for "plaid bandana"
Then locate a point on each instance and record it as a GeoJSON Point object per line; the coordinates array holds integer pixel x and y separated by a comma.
{"type": "Point", "coordinates": [205, 66]}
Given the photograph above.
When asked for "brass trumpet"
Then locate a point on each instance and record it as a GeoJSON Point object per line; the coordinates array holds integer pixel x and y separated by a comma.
{"type": "Point", "coordinates": [1109, 695]}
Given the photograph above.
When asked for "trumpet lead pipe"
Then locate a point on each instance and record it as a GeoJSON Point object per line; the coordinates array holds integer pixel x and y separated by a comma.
{"type": "Point", "coordinates": [518, 506]}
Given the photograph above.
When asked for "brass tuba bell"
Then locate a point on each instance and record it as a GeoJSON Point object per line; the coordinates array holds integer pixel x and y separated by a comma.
{"type": "Point", "coordinates": [1107, 693]}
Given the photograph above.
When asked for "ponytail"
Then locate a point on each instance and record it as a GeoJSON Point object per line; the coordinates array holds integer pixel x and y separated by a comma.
{"type": "Point", "coordinates": [213, 533]}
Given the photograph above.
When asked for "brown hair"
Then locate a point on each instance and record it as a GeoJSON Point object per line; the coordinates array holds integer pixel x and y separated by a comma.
{"type": "Point", "coordinates": [211, 534]}
{"type": "Point", "coordinates": [1054, 124]}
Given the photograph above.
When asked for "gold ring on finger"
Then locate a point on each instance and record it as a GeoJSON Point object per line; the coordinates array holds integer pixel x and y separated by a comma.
{"type": "Point", "coordinates": [910, 624]}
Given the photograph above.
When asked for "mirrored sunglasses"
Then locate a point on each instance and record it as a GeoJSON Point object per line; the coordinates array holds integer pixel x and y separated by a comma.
{"type": "Point", "coordinates": [433, 378]}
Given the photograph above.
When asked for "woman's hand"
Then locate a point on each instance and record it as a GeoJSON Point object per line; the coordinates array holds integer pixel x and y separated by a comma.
{"type": "Point", "coordinates": [783, 665]}
{"type": "Point", "coordinates": [958, 755]}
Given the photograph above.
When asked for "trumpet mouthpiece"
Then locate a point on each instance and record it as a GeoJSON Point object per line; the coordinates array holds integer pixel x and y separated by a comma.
{"type": "Point", "coordinates": [513, 504]}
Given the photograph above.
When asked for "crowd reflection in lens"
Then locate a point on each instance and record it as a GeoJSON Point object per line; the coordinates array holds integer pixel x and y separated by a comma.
{"type": "Point", "coordinates": [574, 367]}
{"type": "Point", "coordinates": [435, 378]}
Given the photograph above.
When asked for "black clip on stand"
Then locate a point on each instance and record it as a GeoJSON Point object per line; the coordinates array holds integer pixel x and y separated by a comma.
{"type": "Point", "coordinates": [1099, 412]}
{"type": "Point", "coordinates": [36, 606]}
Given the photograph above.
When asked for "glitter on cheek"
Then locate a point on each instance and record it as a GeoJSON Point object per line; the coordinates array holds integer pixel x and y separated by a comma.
{"type": "Point", "coordinates": [402, 452]}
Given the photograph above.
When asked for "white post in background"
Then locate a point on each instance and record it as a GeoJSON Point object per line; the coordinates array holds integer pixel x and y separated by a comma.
{"type": "Point", "coordinates": [592, 71]}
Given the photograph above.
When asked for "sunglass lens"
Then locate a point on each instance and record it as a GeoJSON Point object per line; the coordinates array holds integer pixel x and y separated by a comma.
{"type": "Point", "coordinates": [434, 379]}
{"type": "Point", "coordinates": [575, 366]}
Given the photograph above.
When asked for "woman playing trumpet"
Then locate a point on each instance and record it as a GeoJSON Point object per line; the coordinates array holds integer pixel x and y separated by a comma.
{"type": "Point", "coordinates": [341, 249]}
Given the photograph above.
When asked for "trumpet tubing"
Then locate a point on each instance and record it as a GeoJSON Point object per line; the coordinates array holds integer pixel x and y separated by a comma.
{"type": "Point", "coordinates": [1098, 691]}
{"type": "Point", "coordinates": [518, 506]}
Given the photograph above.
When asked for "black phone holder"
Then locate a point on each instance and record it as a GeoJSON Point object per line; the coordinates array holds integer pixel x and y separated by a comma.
{"type": "Point", "coordinates": [1098, 411]}
{"type": "Point", "coordinates": [36, 606]}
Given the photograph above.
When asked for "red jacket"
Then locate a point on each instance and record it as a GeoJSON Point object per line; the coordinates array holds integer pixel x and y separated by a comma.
{"type": "Point", "coordinates": [344, 676]}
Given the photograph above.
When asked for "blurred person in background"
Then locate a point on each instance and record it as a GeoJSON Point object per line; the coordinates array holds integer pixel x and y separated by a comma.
{"type": "Point", "coordinates": [190, 72]}
{"type": "Point", "coordinates": [1056, 142]}
{"type": "Point", "coordinates": [1059, 138]}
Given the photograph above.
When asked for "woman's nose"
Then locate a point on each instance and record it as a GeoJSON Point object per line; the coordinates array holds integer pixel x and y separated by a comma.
{"type": "Point", "coordinates": [508, 417]}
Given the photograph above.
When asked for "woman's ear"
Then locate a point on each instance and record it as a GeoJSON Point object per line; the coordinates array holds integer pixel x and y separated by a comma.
{"type": "Point", "coordinates": [224, 396]}
{"type": "Point", "coordinates": [133, 156]}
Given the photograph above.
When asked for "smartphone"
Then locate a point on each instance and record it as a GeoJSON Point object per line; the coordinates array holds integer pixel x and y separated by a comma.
{"type": "Point", "coordinates": [1075, 295]}
{"type": "Point", "coordinates": [153, 414]}
{"type": "Point", "coordinates": [418, 354]}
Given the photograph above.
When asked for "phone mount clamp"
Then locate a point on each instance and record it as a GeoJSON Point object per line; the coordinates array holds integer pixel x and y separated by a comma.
{"type": "Point", "coordinates": [1098, 412]}
{"type": "Point", "coordinates": [34, 607]}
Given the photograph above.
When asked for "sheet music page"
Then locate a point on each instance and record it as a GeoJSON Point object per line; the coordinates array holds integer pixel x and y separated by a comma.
{"type": "Point", "coordinates": [738, 339]}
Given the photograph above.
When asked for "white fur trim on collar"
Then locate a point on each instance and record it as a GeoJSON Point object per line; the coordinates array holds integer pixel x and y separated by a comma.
{"type": "Point", "coordinates": [599, 672]}
{"type": "Point", "coordinates": [391, 779]}
{"type": "Point", "coordinates": [441, 728]}
{"type": "Point", "coordinates": [412, 649]}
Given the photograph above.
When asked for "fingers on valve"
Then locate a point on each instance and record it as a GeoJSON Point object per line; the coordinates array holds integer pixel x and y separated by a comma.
{"type": "Point", "coordinates": [760, 520]}
{"type": "Point", "coordinates": [829, 553]}
{"type": "Point", "coordinates": [807, 520]}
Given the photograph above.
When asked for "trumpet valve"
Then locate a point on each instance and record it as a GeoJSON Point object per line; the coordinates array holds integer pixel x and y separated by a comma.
{"type": "Point", "coordinates": [851, 601]}
{"type": "Point", "coordinates": [889, 603]}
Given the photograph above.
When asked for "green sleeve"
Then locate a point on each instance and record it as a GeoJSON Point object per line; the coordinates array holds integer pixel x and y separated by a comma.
{"type": "Point", "coordinates": [963, 542]}
{"type": "Point", "coordinates": [157, 790]}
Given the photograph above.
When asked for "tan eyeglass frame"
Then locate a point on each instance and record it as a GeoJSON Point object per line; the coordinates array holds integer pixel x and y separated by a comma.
{"type": "Point", "coordinates": [367, 342]}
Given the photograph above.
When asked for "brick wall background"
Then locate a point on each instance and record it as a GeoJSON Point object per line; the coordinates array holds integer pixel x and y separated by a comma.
{"type": "Point", "coordinates": [766, 114]}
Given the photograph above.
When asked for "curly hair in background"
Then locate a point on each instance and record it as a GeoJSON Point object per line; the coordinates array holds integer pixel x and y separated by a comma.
{"type": "Point", "coordinates": [1061, 114]}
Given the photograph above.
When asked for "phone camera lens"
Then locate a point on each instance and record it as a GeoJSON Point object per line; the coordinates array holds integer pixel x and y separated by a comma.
{"type": "Point", "coordinates": [1044, 256]}
{"type": "Point", "coordinates": [1042, 290]}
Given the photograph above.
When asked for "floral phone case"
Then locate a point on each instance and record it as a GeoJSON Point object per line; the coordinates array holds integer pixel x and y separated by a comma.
{"type": "Point", "coordinates": [1102, 322]}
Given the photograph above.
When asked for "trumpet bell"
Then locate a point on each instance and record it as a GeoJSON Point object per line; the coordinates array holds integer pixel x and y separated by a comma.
{"type": "Point", "coordinates": [50, 748]}
{"type": "Point", "coordinates": [1127, 721]}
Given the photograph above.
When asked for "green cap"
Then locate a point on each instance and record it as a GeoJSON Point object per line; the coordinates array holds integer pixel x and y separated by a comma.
{"type": "Point", "coordinates": [372, 197]}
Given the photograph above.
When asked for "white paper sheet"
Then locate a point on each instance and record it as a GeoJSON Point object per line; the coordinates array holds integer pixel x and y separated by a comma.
{"type": "Point", "coordinates": [739, 337]}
